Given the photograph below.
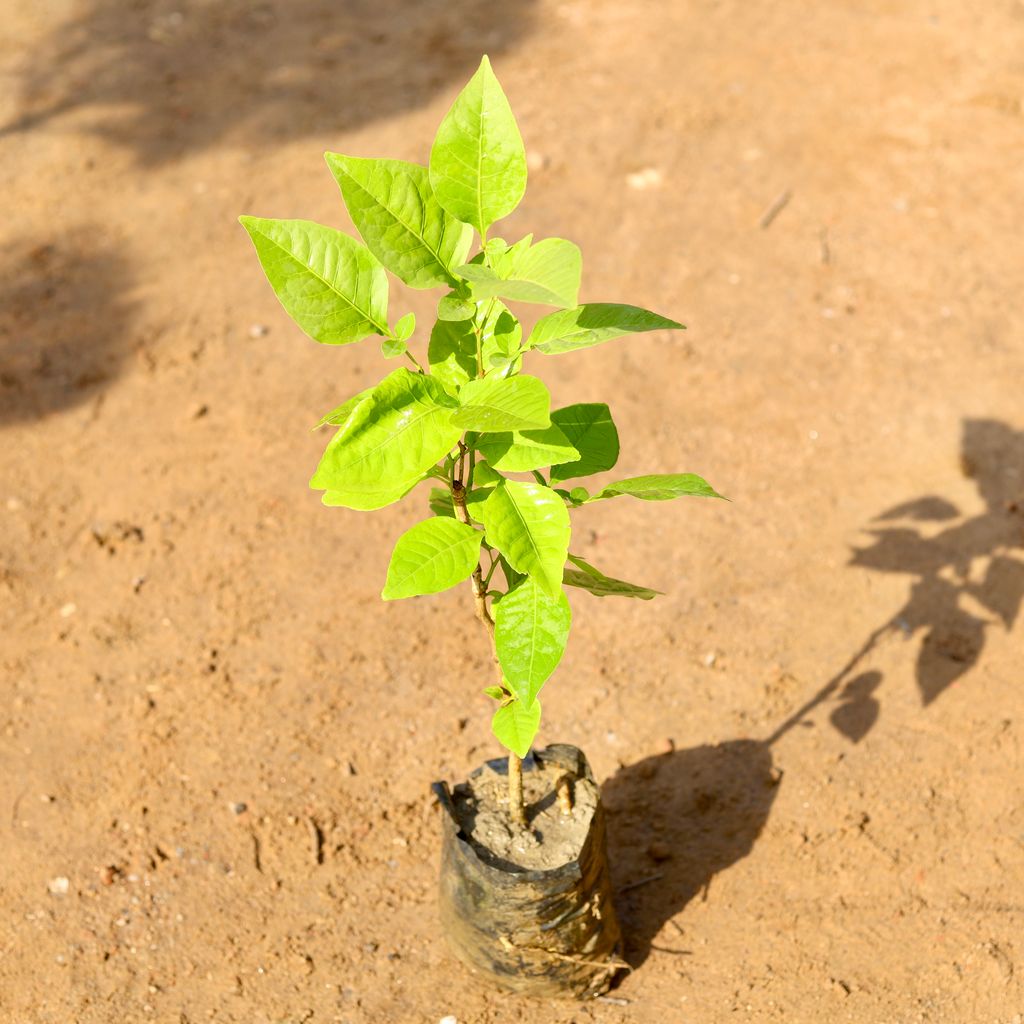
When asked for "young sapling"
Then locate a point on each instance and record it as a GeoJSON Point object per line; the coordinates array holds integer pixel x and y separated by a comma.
{"type": "Point", "coordinates": [465, 414]}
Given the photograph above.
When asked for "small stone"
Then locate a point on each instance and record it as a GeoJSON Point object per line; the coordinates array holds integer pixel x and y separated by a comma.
{"type": "Point", "coordinates": [259, 331]}
{"type": "Point", "coordinates": [238, 808]}
{"type": "Point", "coordinates": [659, 852]}
{"type": "Point", "coordinates": [710, 658]}
{"type": "Point", "coordinates": [667, 746]}
{"type": "Point", "coordinates": [537, 161]}
{"type": "Point", "coordinates": [199, 411]}
{"type": "Point", "coordinates": [108, 874]}
{"type": "Point", "coordinates": [58, 886]}
{"type": "Point", "coordinates": [649, 177]}
{"type": "Point", "coordinates": [450, 1019]}
{"type": "Point", "coordinates": [47, 798]}
{"type": "Point", "coordinates": [67, 610]}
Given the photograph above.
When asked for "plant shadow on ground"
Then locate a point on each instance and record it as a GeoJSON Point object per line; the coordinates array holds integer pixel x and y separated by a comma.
{"type": "Point", "coordinates": [967, 573]}
{"type": "Point", "coordinates": [63, 324]}
{"type": "Point", "coordinates": [676, 820]}
{"type": "Point", "coordinates": [169, 79]}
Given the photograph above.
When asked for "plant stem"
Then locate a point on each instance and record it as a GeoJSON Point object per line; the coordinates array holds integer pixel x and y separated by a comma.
{"type": "Point", "coordinates": [516, 805]}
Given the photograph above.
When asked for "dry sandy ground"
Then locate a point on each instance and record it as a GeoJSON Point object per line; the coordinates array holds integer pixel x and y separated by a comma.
{"type": "Point", "coordinates": [184, 628]}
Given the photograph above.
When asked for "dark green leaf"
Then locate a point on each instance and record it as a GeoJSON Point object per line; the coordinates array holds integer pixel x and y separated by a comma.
{"type": "Point", "coordinates": [590, 430]}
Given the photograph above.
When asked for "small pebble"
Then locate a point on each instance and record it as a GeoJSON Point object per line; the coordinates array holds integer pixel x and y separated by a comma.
{"type": "Point", "coordinates": [537, 161]}
{"type": "Point", "coordinates": [448, 1020]}
{"type": "Point", "coordinates": [199, 411]}
{"type": "Point", "coordinates": [238, 808]}
{"type": "Point", "coordinates": [710, 658]}
{"type": "Point", "coordinates": [659, 851]}
{"type": "Point", "coordinates": [667, 746]}
{"type": "Point", "coordinates": [58, 886]}
{"type": "Point", "coordinates": [68, 610]}
{"type": "Point", "coordinates": [261, 330]}
{"type": "Point", "coordinates": [649, 177]}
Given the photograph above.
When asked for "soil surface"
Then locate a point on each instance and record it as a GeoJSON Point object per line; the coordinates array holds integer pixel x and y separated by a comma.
{"type": "Point", "coordinates": [216, 742]}
{"type": "Point", "coordinates": [551, 837]}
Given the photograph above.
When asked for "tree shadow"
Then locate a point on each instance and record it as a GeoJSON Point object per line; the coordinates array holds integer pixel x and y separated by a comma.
{"type": "Point", "coordinates": [63, 322]}
{"type": "Point", "coordinates": [967, 578]}
{"type": "Point", "coordinates": [166, 79]}
{"type": "Point", "coordinates": [674, 821]}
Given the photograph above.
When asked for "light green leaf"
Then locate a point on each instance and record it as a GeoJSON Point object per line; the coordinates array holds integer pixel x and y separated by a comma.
{"type": "Point", "coordinates": [391, 348]}
{"type": "Point", "coordinates": [570, 329]}
{"type": "Point", "coordinates": [529, 524]}
{"type": "Point", "coordinates": [521, 451]}
{"type": "Point", "coordinates": [589, 578]}
{"type": "Point", "coordinates": [368, 501]}
{"type": "Point", "coordinates": [393, 207]}
{"type": "Point", "coordinates": [477, 162]}
{"type": "Point", "coordinates": [340, 417]}
{"type": "Point", "coordinates": [452, 348]}
{"type": "Point", "coordinates": [590, 430]}
{"type": "Point", "coordinates": [392, 441]}
{"type": "Point", "coordinates": [494, 692]}
{"type": "Point", "coordinates": [328, 283]}
{"type": "Point", "coordinates": [504, 403]}
{"type": "Point", "coordinates": [432, 556]}
{"type": "Point", "coordinates": [530, 631]}
{"type": "Point", "coordinates": [515, 726]}
{"type": "Point", "coordinates": [547, 273]}
{"type": "Point", "coordinates": [660, 487]}
{"type": "Point", "coordinates": [452, 307]}
{"type": "Point", "coordinates": [404, 328]}
{"type": "Point", "coordinates": [485, 476]}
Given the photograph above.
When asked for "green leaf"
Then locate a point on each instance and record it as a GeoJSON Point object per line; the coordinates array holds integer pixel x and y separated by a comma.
{"type": "Point", "coordinates": [589, 578]}
{"type": "Point", "coordinates": [477, 162]}
{"type": "Point", "coordinates": [452, 349]}
{"type": "Point", "coordinates": [547, 273]}
{"type": "Point", "coordinates": [404, 328]}
{"type": "Point", "coordinates": [340, 417]}
{"type": "Point", "coordinates": [391, 348]}
{"type": "Point", "coordinates": [521, 451]}
{"type": "Point", "coordinates": [504, 403]}
{"type": "Point", "coordinates": [369, 500]}
{"type": "Point", "coordinates": [515, 726]}
{"type": "Point", "coordinates": [590, 430]}
{"type": "Point", "coordinates": [328, 283]}
{"type": "Point", "coordinates": [453, 307]}
{"type": "Point", "coordinates": [485, 476]}
{"type": "Point", "coordinates": [391, 442]}
{"type": "Point", "coordinates": [529, 524]}
{"type": "Point", "coordinates": [432, 556]}
{"type": "Point", "coordinates": [393, 207]}
{"type": "Point", "coordinates": [494, 692]}
{"type": "Point", "coordinates": [572, 329]}
{"type": "Point", "coordinates": [530, 632]}
{"type": "Point", "coordinates": [660, 487]}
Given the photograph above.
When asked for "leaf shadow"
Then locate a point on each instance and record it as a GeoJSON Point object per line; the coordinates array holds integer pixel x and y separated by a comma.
{"type": "Point", "coordinates": [167, 80]}
{"type": "Point", "coordinates": [63, 323]}
{"type": "Point", "coordinates": [967, 578]}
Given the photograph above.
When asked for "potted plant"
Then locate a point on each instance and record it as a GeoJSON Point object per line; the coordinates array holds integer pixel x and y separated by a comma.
{"type": "Point", "coordinates": [525, 894]}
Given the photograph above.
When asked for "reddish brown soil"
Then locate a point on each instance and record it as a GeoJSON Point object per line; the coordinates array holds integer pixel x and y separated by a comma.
{"type": "Point", "coordinates": [183, 628]}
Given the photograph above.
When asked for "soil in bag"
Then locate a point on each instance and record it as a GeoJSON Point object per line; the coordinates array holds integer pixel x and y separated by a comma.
{"type": "Point", "coordinates": [531, 909]}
